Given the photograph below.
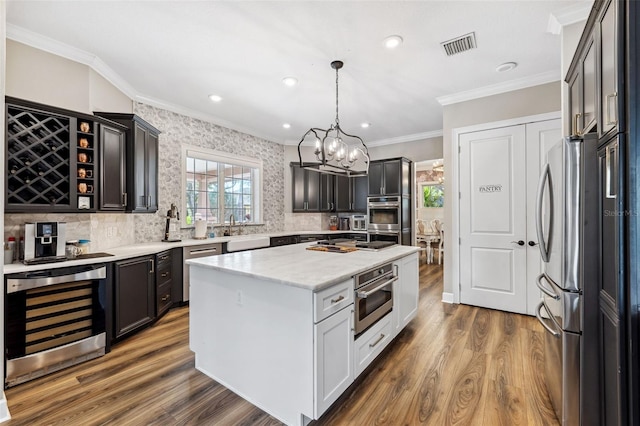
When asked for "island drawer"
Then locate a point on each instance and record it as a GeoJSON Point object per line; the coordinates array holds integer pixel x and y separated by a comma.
{"type": "Point", "coordinates": [332, 299]}
{"type": "Point", "coordinates": [372, 342]}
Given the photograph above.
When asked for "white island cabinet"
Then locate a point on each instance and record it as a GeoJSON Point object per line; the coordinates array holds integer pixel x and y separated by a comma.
{"type": "Point", "coordinates": [276, 325]}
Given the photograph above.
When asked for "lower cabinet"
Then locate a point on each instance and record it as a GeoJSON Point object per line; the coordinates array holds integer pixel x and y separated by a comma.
{"type": "Point", "coordinates": [372, 342]}
{"type": "Point", "coordinates": [333, 357]}
{"type": "Point", "coordinates": [164, 281]}
{"type": "Point", "coordinates": [405, 292]}
{"type": "Point", "coordinates": [134, 294]}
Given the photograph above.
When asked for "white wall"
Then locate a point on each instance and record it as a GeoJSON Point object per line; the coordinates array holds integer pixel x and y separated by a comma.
{"type": "Point", "coordinates": [535, 100]}
{"type": "Point", "coordinates": [4, 410]}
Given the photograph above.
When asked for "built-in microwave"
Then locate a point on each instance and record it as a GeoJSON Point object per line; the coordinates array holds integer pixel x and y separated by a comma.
{"type": "Point", "coordinates": [383, 214]}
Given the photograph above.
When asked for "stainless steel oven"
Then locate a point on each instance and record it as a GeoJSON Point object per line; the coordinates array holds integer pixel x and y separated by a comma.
{"type": "Point", "coordinates": [384, 214]}
{"type": "Point", "coordinates": [54, 319]}
{"type": "Point", "coordinates": [373, 296]}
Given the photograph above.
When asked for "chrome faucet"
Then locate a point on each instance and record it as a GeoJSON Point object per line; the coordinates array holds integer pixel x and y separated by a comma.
{"type": "Point", "coordinates": [232, 223]}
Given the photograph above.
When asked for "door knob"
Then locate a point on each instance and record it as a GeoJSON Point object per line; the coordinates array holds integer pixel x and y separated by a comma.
{"type": "Point", "coordinates": [519, 242]}
{"type": "Point", "coordinates": [533, 243]}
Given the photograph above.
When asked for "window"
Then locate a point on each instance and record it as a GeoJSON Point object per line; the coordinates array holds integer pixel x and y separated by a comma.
{"type": "Point", "coordinates": [218, 185]}
{"type": "Point", "coordinates": [433, 195]}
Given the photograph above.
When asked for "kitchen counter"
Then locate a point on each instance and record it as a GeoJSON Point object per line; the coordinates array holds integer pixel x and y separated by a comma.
{"type": "Point", "coordinates": [134, 250]}
{"type": "Point", "coordinates": [295, 266]}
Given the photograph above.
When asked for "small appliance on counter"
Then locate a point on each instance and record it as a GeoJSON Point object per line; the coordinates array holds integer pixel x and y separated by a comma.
{"type": "Point", "coordinates": [172, 213]}
{"type": "Point", "coordinates": [344, 224]}
{"type": "Point", "coordinates": [44, 242]}
{"type": "Point", "coordinates": [358, 222]}
{"type": "Point", "coordinates": [200, 232]}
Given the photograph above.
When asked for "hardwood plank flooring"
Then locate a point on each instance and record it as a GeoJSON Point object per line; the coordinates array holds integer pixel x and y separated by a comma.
{"type": "Point", "coordinates": [453, 365]}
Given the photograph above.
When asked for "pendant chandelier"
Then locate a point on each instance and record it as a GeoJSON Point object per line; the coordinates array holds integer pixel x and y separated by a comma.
{"type": "Point", "coordinates": [336, 152]}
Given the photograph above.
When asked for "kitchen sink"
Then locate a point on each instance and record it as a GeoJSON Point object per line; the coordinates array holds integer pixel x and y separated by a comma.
{"type": "Point", "coordinates": [247, 243]}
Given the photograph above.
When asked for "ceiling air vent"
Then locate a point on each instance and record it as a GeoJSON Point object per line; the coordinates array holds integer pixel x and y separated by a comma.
{"type": "Point", "coordinates": [459, 44]}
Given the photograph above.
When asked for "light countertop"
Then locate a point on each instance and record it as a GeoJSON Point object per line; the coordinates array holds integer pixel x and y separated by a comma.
{"type": "Point", "coordinates": [294, 265]}
{"type": "Point", "coordinates": [143, 249]}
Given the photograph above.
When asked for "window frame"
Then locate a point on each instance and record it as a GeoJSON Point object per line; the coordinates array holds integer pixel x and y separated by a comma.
{"type": "Point", "coordinates": [207, 154]}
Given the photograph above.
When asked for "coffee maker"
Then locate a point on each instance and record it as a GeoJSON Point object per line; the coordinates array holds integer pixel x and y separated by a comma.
{"type": "Point", "coordinates": [44, 242]}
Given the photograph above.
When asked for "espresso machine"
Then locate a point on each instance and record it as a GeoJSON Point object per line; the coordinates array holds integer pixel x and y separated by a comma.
{"type": "Point", "coordinates": [44, 242]}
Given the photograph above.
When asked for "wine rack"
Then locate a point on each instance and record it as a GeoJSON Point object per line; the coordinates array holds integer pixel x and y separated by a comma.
{"type": "Point", "coordinates": [85, 170]}
{"type": "Point", "coordinates": [38, 159]}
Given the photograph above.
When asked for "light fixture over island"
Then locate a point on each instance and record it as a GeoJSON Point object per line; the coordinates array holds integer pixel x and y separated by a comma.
{"type": "Point", "coordinates": [276, 325]}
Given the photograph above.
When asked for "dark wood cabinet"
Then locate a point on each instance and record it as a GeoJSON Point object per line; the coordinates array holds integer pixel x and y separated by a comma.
{"type": "Point", "coordinates": [283, 241]}
{"type": "Point", "coordinates": [360, 192]}
{"type": "Point", "coordinates": [320, 192]}
{"type": "Point", "coordinates": [142, 162]}
{"type": "Point", "coordinates": [164, 282]}
{"type": "Point", "coordinates": [306, 189]}
{"type": "Point", "coordinates": [582, 91]}
{"type": "Point", "coordinates": [134, 294]}
{"type": "Point", "coordinates": [390, 177]}
{"type": "Point", "coordinates": [609, 36]}
{"type": "Point", "coordinates": [611, 305]}
{"type": "Point", "coordinates": [112, 163]}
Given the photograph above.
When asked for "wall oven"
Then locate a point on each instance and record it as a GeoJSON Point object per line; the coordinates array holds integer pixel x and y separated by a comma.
{"type": "Point", "coordinates": [54, 319]}
{"type": "Point", "coordinates": [384, 214]}
{"type": "Point", "coordinates": [373, 296]}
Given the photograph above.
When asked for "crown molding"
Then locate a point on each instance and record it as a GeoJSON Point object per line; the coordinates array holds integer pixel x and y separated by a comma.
{"type": "Point", "coordinates": [66, 51]}
{"type": "Point", "coordinates": [178, 109]}
{"type": "Point", "coordinates": [495, 89]}
{"type": "Point", "coordinates": [568, 15]}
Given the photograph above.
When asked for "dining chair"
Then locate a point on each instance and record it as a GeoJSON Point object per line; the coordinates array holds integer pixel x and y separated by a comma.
{"type": "Point", "coordinates": [441, 245]}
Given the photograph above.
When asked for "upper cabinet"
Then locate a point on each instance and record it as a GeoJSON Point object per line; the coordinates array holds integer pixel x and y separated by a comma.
{"type": "Point", "coordinates": [305, 187]}
{"type": "Point", "coordinates": [594, 77]}
{"type": "Point", "coordinates": [113, 195]}
{"type": "Point", "coordinates": [53, 158]}
{"type": "Point", "coordinates": [390, 177]}
{"type": "Point", "coordinates": [609, 36]}
{"type": "Point", "coordinates": [142, 162]}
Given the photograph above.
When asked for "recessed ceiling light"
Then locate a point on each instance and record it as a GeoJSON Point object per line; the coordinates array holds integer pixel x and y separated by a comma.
{"type": "Point", "coordinates": [392, 41]}
{"type": "Point", "coordinates": [215, 98]}
{"type": "Point", "coordinates": [507, 66]}
{"type": "Point", "coordinates": [286, 125]}
{"type": "Point", "coordinates": [290, 81]}
{"type": "Point", "coordinates": [365, 125]}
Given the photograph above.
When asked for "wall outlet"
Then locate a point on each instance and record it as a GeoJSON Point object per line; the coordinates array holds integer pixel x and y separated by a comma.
{"type": "Point", "coordinates": [173, 227]}
{"type": "Point", "coordinates": [111, 231]}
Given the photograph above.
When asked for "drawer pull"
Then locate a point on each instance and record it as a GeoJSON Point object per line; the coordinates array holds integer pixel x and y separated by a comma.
{"type": "Point", "coordinates": [165, 298]}
{"type": "Point", "coordinates": [164, 257]}
{"type": "Point", "coordinates": [338, 299]}
{"type": "Point", "coordinates": [378, 340]}
{"type": "Point", "coordinates": [165, 274]}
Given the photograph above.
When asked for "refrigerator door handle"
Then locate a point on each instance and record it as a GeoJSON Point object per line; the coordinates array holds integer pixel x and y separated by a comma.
{"type": "Point", "coordinates": [544, 321]}
{"type": "Point", "coordinates": [552, 294]}
{"type": "Point", "coordinates": [542, 244]}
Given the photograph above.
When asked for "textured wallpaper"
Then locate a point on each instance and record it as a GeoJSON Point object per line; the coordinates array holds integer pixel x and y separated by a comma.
{"type": "Point", "coordinates": [179, 129]}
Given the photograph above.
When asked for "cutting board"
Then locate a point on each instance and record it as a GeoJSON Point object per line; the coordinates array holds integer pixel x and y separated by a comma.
{"type": "Point", "coordinates": [332, 249]}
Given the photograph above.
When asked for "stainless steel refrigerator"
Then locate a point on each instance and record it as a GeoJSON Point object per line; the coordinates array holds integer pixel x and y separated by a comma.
{"type": "Point", "coordinates": [566, 223]}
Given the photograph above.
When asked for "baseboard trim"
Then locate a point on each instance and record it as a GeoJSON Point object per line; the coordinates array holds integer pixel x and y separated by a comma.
{"type": "Point", "coordinates": [447, 297]}
{"type": "Point", "coordinates": [4, 409]}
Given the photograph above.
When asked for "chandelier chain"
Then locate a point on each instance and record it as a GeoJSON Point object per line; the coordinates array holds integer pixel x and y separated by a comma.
{"type": "Point", "coordinates": [337, 119]}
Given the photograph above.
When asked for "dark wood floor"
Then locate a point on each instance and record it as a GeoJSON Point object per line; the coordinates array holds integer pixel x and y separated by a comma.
{"type": "Point", "coordinates": [453, 365]}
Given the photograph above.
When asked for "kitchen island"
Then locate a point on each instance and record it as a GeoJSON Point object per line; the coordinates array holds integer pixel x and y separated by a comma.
{"type": "Point", "coordinates": [276, 325]}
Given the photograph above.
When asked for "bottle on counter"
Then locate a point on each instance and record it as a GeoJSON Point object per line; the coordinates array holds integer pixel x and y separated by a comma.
{"type": "Point", "coordinates": [11, 246]}
{"type": "Point", "coordinates": [21, 249]}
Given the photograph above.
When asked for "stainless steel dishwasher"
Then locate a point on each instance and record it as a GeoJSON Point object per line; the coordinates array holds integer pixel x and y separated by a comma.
{"type": "Point", "coordinates": [195, 252]}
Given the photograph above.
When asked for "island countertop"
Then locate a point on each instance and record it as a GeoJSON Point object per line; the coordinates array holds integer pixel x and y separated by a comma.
{"type": "Point", "coordinates": [295, 266]}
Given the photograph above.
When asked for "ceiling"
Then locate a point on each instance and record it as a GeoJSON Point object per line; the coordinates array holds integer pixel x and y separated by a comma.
{"type": "Point", "coordinates": [175, 53]}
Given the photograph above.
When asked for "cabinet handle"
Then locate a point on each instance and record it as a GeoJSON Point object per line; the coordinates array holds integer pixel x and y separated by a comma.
{"type": "Point", "coordinates": [378, 340]}
{"type": "Point", "coordinates": [164, 274]}
{"type": "Point", "coordinates": [153, 266]}
{"type": "Point", "coordinates": [124, 199]}
{"type": "Point", "coordinates": [575, 124]}
{"type": "Point", "coordinates": [337, 299]}
{"type": "Point", "coordinates": [611, 183]}
{"type": "Point", "coordinates": [164, 257]}
{"type": "Point", "coordinates": [166, 297]}
{"type": "Point", "coordinates": [148, 200]}
{"type": "Point", "coordinates": [611, 122]}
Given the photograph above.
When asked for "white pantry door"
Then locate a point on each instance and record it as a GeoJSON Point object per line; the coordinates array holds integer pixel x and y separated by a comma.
{"type": "Point", "coordinates": [493, 219]}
